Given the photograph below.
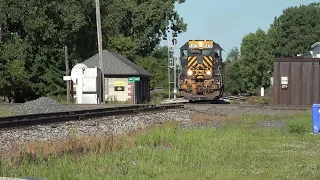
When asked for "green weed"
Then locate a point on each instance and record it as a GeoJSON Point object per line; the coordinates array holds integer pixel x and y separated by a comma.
{"type": "Point", "coordinates": [236, 150]}
{"type": "Point", "coordinates": [300, 124]}
{"type": "Point", "coordinates": [4, 113]}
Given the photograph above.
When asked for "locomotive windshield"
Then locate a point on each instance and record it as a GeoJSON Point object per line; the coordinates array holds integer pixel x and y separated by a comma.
{"type": "Point", "coordinates": [195, 51]}
{"type": "Point", "coordinates": [204, 52]}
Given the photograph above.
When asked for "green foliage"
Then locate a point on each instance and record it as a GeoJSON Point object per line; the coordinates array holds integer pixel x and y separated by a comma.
{"type": "Point", "coordinates": [291, 33]}
{"type": "Point", "coordinates": [156, 64]}
{"type": "Point", "coordinates": [232, 73]}
{"type": "Point", "coordinates": [145, 22]}
{"type": "Point", "coordinates": [295, 30]}
{"type": "Point", "coordinates": [113, 100]}
{"type": "Point", "coordinates": [156, 68]}
{"type": "Point", "coordinates": [256, 61]}
{"type": "Point", "coordinates": [5, 113]}
{"type": "Point", "coordinates": [124, 46]}
{"type": "Point", "coordinates": [301, 124]}
{"type": "Point", "coordinates": [156, 98]}
{"type": "Point", "coordinates": [238, 150]}
{"type": "Point", "coordinates": [62, 99]}
{"type": "Point", "coordinates": [14, 79]}
{"type": "Point", "coordinates": [34, 33]}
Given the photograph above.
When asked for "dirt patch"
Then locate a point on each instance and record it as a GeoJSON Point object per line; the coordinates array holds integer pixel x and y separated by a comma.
{"type": "Point", "coordinates": [232, 110]}
{"type": "Point", "coordinates": [277, 124]}
{"type": "Point", "coordinates": [202, 117]}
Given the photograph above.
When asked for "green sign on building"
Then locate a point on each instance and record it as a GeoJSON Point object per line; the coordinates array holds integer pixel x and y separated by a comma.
{"type": "Point", "coordinates": [133, 79]}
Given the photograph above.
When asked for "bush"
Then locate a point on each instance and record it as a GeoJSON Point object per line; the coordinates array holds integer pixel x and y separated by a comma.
{"type": "Point", "coordinates": [157, 98]}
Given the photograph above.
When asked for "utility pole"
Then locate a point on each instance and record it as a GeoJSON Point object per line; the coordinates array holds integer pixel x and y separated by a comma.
{"type": "Point", "coordinates": [100, 49]}
{"type": "Point", "coordinates": [169, 81]}
{"type": "Point", "coordinates": [174, 42]}
{"type": "Point", "coordinates": [67, 73]}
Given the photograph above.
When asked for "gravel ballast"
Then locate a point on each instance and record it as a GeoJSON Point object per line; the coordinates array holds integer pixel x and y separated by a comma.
{"type": "Point", "coordinates": [39, 106]}
{"type": "Point", "coordinates": [115, 125]}
{"type": "Point", "coordinates": [120, 124]}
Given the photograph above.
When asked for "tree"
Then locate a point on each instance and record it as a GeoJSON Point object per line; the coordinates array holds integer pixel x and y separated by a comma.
{"type": "Point", "coordinates": [131, 28]}
{"type": "Point", "coordinates": [157, 69]}
{"type": "Point", "coordinates": [291, 33]}
{"type": "Point", "coordinates": [232, 73]}
{"type": "Point", "coordinates": [233, 54]}
{"type": "Point", "coordinates": [256, 61]}
{"type": "Point", "coordinates": [295, 30]}
{"type": "Point", "coordinates": [14, 79]}
{"type": "Point", "coordinates": [144, 22]}
{"type": "Point", "coordinates": [252, 69]}
{"type": "Point", "coordinates": [157, 64]}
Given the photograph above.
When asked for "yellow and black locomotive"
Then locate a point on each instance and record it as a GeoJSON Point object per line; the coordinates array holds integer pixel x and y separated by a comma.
{"type": "Point", "coordinates": [201, 76]}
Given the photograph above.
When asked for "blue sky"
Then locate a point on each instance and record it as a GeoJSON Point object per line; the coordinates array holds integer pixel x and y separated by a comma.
{"type": "Point", "coordinates": [226, 22]}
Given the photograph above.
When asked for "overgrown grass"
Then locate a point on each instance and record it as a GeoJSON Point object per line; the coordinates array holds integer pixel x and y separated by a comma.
{"type": "Point", "coordinates": [157, 98]}
{"type": "Point", "coordinates": [62, 99]}
{"type": "Point", "coordinates": [4, 113]}
{"type": "Point", "coordinates": [236, 150]}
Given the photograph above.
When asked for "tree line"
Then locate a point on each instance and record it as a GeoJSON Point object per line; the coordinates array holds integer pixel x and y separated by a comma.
{"type": "Point", "coordinates": [251, 66]}
{"type": "Point", "coordinates": [33, 34]}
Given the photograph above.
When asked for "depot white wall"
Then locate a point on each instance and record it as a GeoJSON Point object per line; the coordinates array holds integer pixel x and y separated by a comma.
{"type": "Point", "coordinates": [110, 84]}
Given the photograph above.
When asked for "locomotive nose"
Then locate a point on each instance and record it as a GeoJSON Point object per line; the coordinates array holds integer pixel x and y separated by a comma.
{"type": "Point", "coordinates": [200, 59]}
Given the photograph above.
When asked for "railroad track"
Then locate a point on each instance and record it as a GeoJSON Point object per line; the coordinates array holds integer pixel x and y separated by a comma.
{"type": "Point", "coordinates": [218, 104]}
{"type": "Point", "coordinates": [50, 118]}
{"type": "Point", "coordinates": [253, 106]}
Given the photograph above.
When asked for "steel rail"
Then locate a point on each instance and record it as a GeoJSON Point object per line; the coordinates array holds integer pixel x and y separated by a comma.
{"type": "Point", "coordinates": [252, 105]}
{"type": "Point", "coordinates": [65, 113]}
{"type": "Point", "coordinates": [50, 118]}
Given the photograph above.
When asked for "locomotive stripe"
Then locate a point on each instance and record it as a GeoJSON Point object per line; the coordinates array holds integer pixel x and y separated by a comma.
{"type": "Point", "coordinates": [205, 63]}
{"type": "Point", "coordinates": [192, 60]}
{"type": "Point", "coordinates": [208, 61]}
{"type": "Point", "coordinates": [194, 63]}
{"type": "Point", "coordinates": [211, 59]}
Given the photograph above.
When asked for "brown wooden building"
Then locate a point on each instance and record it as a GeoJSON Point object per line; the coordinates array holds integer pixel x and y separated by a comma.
{"type": "Point", "coordinates": [296, 81]}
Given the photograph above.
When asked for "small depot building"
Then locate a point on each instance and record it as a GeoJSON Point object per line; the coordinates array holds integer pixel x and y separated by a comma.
{"type": "Point", "coordinates": [124, 80]}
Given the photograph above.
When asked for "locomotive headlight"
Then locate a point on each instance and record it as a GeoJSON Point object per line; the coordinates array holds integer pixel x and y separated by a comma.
{"type": "Point", "coordinates": [190, 72]}
{"type": "Point", "coordinates": [208, 73]}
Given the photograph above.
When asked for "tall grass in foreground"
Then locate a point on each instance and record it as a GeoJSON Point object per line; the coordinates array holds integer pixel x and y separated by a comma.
{"type": "Point", "coordinates": [236, 150]}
